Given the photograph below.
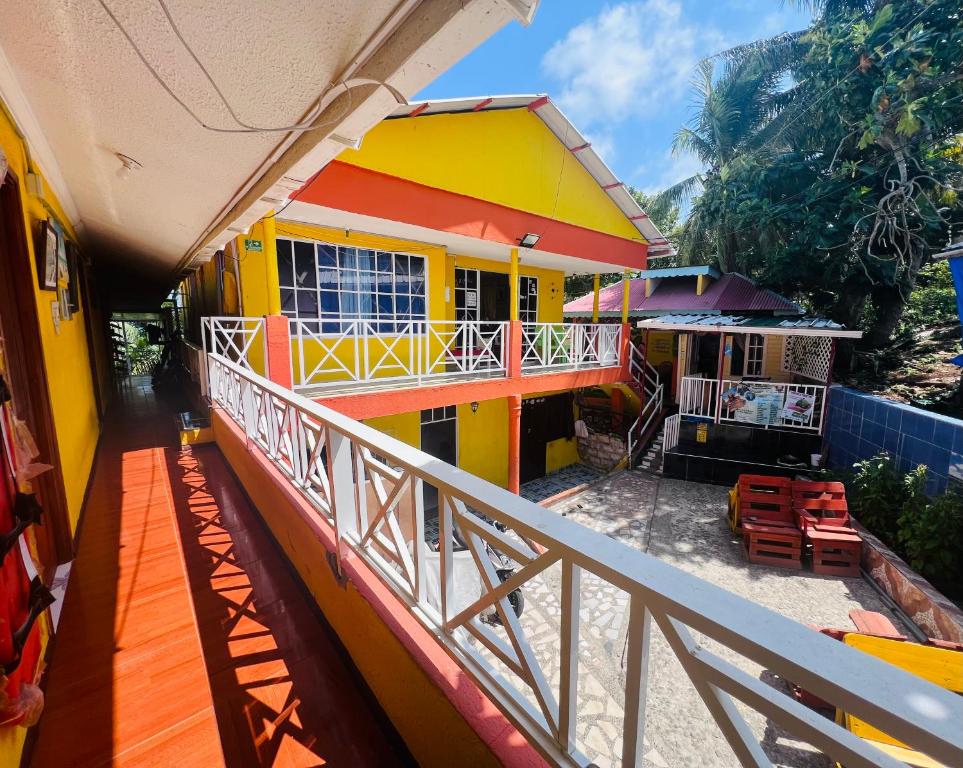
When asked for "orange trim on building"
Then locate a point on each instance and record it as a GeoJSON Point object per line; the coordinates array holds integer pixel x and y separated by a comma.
{"type": "Point", "coordinates": [359, 190]}
{"type": "Point", "coordinates": [388, 402]}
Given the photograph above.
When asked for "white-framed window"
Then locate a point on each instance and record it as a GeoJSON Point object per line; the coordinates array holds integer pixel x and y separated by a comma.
{"type": "Point", "coordinates": [434, 415]}
{"type": "Point", "coordinates": [467, 294]}
{"type": "Point", "coordinates": [528, 299]}
{"type": "Point", "coordinates": [755, 354]}
{"type": "Point", "coordinates": [337, 284]}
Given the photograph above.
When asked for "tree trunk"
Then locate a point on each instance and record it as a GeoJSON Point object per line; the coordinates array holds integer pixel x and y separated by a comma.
{"type": "Point", "coordinates": [847, 310]}
{"type": "Point", "coordinates": [889, 301]}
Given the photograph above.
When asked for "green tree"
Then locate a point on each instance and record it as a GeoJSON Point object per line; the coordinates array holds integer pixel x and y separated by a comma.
{"type": "Point", "coordinates": [842, 184]}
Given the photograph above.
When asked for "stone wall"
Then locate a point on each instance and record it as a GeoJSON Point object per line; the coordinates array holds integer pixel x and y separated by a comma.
{"type": "Point", "coordinates": [601, 451]}
{"type": "Point", "coordinates": [860, 425]}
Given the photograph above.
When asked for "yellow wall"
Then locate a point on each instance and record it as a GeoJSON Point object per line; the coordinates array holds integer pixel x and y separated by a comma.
{"type": "Point", "coordinates": [71, 385]}
{"type": "Point", "coordinates": [506, 156]}
{"type": "Point", "coordinates": [69, 378]}
{"type": "Point", "coordinates": [257, 287]}
{"type": "Point", "coordinates": [483, 440]}
{"type": "Point", "coordinates": [403, 426]}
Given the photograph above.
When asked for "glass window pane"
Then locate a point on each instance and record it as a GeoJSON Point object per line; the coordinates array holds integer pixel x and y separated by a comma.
{"type": "Point", "coordinates": [472, 279]}
{"type": "Point", "coordinates": [366, 259]}
{"type": "Point", "coordinates": [401, 264]}
{"type": "Point", "coordinates": [303, 263]}
{"type": "Point", "coordinates": [328, 278]}
{"type": "Point", "coordinates": [349, 304]}
{"type": "Point", "coordinates": [461, 278]}
{"type": "Point", "coordinates": [287, 301]}
{"type": "Point", "coordinates": [418, 265]}
{"type": "Point", "coordinates": [348, 258]}
{"type": "Point", "coordinates": [349, 281]}
{"type": "Point", "coordinates": [385, 283]}
{"type": "Point", "coordinates": [417, 286]}
{"type": "Point", "coordinates": [285, 272]}
{"type": "Point", "coordinates": [402, 306]}
{"type": "Point", "coordinates": [386, 305]}
{"type": "Point", "coordinates": [327, 255]}
{"type": "Point", "coordinates": [418, 307]}
{"type": "Point", "coordinates": [330, 327]}
{"type": "Point", "coordinates": [307, 304]}
{"type": "Point", "coordinates": [384, 262]}
{"type": "Point", "coordinates": [329, 302]}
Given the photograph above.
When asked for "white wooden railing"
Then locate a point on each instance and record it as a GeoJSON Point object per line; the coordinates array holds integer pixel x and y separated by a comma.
{"type": "Point", "coordinates": [357, 479]}
{"type": "Point", "coordinates": [648, 379]}
{"type": "Point", "coordinates": [412, 351]}
{"type": "Point", "coordinates": [703, 398]}
{"type": "Point", "coordinates": [239, 339]}
{"type": "Point", "coordinates": [562, 346]}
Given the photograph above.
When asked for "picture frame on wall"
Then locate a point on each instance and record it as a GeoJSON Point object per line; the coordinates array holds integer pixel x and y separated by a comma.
{"type": "Point", "coordinates": [47, 255]}
{"type": "Point", "coordinates": [73, 277]}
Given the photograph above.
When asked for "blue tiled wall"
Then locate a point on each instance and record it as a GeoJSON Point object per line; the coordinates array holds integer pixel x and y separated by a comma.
{"type": "Point", "coordinates": [861, 425]}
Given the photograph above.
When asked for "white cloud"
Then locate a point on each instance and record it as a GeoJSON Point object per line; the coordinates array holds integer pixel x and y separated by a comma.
{"type": "Point", "coordinates": [628, 60]}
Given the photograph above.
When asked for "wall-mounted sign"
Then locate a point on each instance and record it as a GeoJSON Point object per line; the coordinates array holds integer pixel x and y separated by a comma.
{"type": "Point", "coordinates": [799, 406]}
{"type": "Point", "coordinates": [471, 299]}
{"type": "Point", "coordinates": [254, 245]}
{"type": "Point", "coordinates": [702, 433]}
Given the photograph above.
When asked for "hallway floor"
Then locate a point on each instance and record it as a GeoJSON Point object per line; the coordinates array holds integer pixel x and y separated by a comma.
{"type": "Point", "coordinates": [184, 638]}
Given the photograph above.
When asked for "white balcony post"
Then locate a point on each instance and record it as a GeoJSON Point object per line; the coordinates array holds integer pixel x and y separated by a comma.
{"type": "Point", "coordinates": [341, 481]}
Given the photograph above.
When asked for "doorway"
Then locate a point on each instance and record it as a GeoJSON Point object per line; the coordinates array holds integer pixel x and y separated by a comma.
{"type": "Point", "coordinates": [706, 362]}
{"type": "Point", "coordinates": [544, 419]}
{"type": "Point", "coordinates": [26, 375]}
{"type": "Point", "coordinates": [439, 438]}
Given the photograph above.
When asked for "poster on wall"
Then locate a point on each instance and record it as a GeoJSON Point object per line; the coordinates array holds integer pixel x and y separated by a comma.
{"type": "Point", "coordinates": [799, 406]}
{"type": "Point", "coordinates": [753, 403]}
{"type": "Point", "coordinates": [47, 255]}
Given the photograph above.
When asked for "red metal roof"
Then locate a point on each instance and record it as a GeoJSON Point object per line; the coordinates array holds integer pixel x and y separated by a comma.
{"type": "Point", "coordinates": [730, 293]}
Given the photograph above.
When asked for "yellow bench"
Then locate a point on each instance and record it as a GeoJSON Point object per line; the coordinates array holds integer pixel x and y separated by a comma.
{"type": "Point", "coordinates": [938, 665]}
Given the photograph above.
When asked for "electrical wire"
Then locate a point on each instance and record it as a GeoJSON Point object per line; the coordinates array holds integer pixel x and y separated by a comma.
{"type": "Point", "coordinates": [330, 94]}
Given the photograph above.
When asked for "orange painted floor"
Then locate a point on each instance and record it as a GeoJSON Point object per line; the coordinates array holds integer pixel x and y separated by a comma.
{"type": "Point", "coordinates": [184, 639]}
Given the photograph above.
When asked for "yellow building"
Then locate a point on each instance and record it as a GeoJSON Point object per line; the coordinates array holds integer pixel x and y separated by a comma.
{"type": "Point", "coordinates": [424, 283]}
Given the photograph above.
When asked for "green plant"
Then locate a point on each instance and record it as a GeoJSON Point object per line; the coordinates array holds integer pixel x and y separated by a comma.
{"type": "Point", "coordinates": [877, 495]}
{"type": "Point", "coordinates": [931, 539]}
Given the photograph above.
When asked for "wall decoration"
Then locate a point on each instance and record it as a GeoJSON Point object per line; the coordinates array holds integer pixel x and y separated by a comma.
{"type": "Point", "coordinates": [47, 256]}
{"type": "Point", "coordinates": [753, 403]}
{"type": "Point", "coordinates": [73, 277]}
{"type": "Point", "coordinates": [799, 406]}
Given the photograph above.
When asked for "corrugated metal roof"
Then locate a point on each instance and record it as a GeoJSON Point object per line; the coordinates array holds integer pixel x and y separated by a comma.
{"type": "Point", "coordinates": [570, 137]}
{"type": "Point", "coordinates": [730, 293]}
{"type": "Point", "coordinates": [681, 272]}
{"type": "Point", "coordinates": [798, 326]}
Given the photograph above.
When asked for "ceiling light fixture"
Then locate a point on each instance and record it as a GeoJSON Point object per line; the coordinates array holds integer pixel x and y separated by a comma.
{"type": "Point", "coordinates": [528, 240]}
{"type": "Point", "coordinates": [128, 164]}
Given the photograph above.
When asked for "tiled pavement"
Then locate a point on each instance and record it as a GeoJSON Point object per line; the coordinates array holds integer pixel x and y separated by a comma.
{"type": "Point", "coordinates": [558, 482]}
{"type": "Point", "coordinates": [681, 523]}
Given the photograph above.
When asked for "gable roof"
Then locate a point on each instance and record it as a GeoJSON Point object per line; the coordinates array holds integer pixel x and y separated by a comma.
{"type": "Point", "coordinates": [553, 118]}
{"type": "Point", "coordinates": [730, 293]}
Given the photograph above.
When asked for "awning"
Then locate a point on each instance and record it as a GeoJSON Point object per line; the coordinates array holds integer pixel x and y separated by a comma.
{"type": "Point", "coordinates": [765, 326]}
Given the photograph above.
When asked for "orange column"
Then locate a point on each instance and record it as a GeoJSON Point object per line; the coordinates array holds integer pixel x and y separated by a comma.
{"type": "Point", "coordinates": [514, 349]}
{"type": "Point", "coordinates": [514, 441]}
{"type": "Point", "coordinates": [277, 348]}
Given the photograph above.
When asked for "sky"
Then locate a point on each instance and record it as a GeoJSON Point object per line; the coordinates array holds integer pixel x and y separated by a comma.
{"type": "Point", "coordinates": [620, 71]}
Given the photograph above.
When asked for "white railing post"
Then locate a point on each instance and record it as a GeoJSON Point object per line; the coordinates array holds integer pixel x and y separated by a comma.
{"type": "Point", "coordinates": [341, 481]}
{"type": "Point", "coordinates": [636, 679]}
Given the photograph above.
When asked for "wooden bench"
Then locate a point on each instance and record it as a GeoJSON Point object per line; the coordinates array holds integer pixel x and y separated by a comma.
{"type": "Point", "coordinates": [767, 542]}
{"type": "Point", "coordinates": [836, 550]}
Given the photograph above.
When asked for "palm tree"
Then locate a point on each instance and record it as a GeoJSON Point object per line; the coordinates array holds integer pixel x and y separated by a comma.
{"type": "Point", "coordinates": [736, 124]}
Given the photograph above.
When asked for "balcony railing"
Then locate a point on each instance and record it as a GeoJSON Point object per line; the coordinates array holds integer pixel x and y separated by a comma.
{"type": "Point", "coordinates": [366, 351]}
{"type": "Point", "coordinates": [569, 346]}
{"type": "Point", "coordinates": [370, 488]}
{"type": "Point", "coordinates": [762, 403]}
{"type": "Point", "coordinates": [239, 339]}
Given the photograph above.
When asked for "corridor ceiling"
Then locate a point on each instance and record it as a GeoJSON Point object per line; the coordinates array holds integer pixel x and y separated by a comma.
{"type": "Point", "coordinates": [82, 96]}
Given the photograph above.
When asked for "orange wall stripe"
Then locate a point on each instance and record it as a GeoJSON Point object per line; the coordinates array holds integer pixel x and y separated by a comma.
{"type": "Point", "coordinates": [368, 405]}
{"type": "Point", "coordinates": [359, 190]}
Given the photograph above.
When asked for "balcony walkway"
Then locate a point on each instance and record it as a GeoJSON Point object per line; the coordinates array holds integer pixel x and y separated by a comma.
{"type": "Point", "coordinates": [184, 640]}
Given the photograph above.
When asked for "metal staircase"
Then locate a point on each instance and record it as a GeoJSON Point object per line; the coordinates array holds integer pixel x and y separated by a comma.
{"type": "Point", "coordinates": [645, 382]}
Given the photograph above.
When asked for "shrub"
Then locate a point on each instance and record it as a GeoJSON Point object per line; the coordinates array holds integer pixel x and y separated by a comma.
{"type": "Point", "coordinates": [927, 533]}
{"type": "Point", "coordinates": [931, 539]}
{"type": "Point", "coordinates": [877, 494]}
